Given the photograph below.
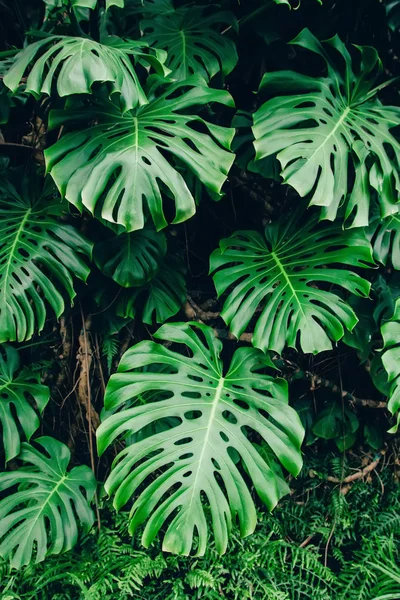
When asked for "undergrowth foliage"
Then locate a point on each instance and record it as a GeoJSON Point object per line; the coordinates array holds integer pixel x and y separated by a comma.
{"type": "Point", "coordinates": [199, 290]}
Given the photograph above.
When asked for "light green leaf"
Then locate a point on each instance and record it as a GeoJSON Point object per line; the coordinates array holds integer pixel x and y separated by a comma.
{"type": "Point", "coordinates": [131, 259]}
{"type": "Point", "coordinates": [193, 459]}
{"type": "Point", "coordinates": [117, 168]}
{"type": "Point", "coordinates": [18, 392]}
{"type": "Point", "coordinates": [192, 39]}
{"type": "Point", "coordinates": [391, 362]}
{"type": "Point", "coordinates": [74, 64]}
{"type": "Point", "coordinates": [330, 129]}
{"type": "Point", "coordinates": [40, 518]}
{"type": "Point", "coordinates": [279, 273]}
{"type": "Point", "coordinates": [39, 258]}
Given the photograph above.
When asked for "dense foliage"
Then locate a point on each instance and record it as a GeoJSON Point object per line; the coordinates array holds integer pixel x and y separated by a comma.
{"type": "Point", "coordinates": [200, 218]}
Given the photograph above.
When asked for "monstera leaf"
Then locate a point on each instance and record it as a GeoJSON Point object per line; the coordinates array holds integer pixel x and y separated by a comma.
{"type": "Point", "coordinates": [193, 41]}
{"type": "Point", "coordinates": [160, 299]}
{"type": "Point", "coordinates": [18, 392]}
{"type": "Point", "coordinates": [39, 257]}
{"type": "Point", "coordinates": [199, 458]}
{"type": "Point", "coordinates": [77, 63]}
{"type": "Point", "coordinates": [131, 259]}
{"type": "Point", "coordinates": [81, 3]}
{"type": "Point", "coordinates": [123, 155]}
{"type": "Point", "coordinates": [331, 135]}
{"type": "Point", "coordinates": [40, 517]}
{"type": "Point", "coordinates": [391, 361]}
{"type": "Point", "coordinates": [385, 239]}
{"type": "Point", "coordinates": [279, 271]}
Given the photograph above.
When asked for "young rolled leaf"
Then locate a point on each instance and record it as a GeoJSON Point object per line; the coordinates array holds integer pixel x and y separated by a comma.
{"type": "Point", "coordinates": [197, 459]}
{"type": "Point", "coordinates": [20, 393]}
{"type": "Point", "coordinates": [131, 259]}
{"type": "Point", "coordinates": [328, 130]}
{"type": "Point", "coordinates": [39, 258]}
{"type": "Point", "coordinates": [118, 167]}
{"type": "Point", "coordinates": [41, 517]}
{"type": "Point", "coordinates": [391, 362]}
{"type": "Point", "coordinates": [74, 64]}
{"type": "Point", "coordinates": [192, 39]}
{"type": "Point", "coordinates": [284, 274]}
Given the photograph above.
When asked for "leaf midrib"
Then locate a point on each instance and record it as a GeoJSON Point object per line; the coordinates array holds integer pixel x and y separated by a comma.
{"type": "Point", "coordinates": [215, 403]}
{"type": "Point", "coordinates": [12, 251]}
{"type": "Point", "coordinates": [289, 283]}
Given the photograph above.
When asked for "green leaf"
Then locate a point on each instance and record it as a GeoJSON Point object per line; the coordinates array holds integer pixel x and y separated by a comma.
{"type": "Point", "coordinates": [131, 259]}
{"type": "Point", "coordinates": [385, 240]}
{"type": "Point", "coordinates": [18, 392]}
{"type": "Point", "coordinates": [192, 39]}
{"type": "Point", "coordinates": [373, 436]}
{"type": "Point", "coordinates": [331, 129]}
{"type": "Point", "coordinates": [217, 414]}
{"type": "Point", "coordinates": [117, 167]}
{"type": "Point", "coordinates": [279, 271]}
{"type": "Point", "coordinates": [362, 335]}
{"type": "Point", "coordinates": [39, 258]}
{"type": "Point", "coordinates": [391, 361]}
{"type": "Point", "coordinates": [82, 3]}
{"type": "Point", "coordinates": [76, 63]}
{"type": "Point", "coordinates": [338, 423]}
{"type": "Point", "coordinates": [164, 295]}
{"type": "Point", "coordinates": [40, 518]}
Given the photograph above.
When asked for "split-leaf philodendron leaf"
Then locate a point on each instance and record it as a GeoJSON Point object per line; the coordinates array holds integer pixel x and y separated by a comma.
{"type": "Point", "coordinates": [41, 517]}
{"type": "Point", "coordinates": [131, 259]}
{"type": "Point", "coordinates": [330, 129]}
{"type": "Point", "coordinates": [121, 165]}
{"type": "Point", "coordinates": [391, 361]}
{"type": "Point", "coordinates": [288, 273]}
{"type": "Point", "coordinates": [193, 41]}
{"type": "Point", "coordinates": [74, 64]}
{"type": "Point", "coordinates": [20, 391]}
{"type": "Point", "coordinates": [216, 411]}
{"type": "Point", "coordinates": [40, 256]}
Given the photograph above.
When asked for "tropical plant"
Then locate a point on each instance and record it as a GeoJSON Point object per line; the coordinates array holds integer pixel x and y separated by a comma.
{"type": "Point", "coordinates": [126, 155]}
{"type": "Point", "coordinates": [328, 124]}
{"type": "Point", "coordinates": [282, 269]}
{"type": "Point", "coordinates": [390, 359]}
{"type": "Point", "coordinates": [39, 258]}
{"type": "Point", "coordinates": [123, 169]}
{"type": "Point", "coordinates": [41, 517]}
{"type": "Point", "coordinates": [19, 389]}
{"type": "Point", "coordinates": [200, 454]}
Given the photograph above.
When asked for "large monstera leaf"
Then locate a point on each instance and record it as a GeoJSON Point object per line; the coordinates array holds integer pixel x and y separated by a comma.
{"type": "Point", "coordinates": [118, 167]}
{"type": "Point", "coordinates": [41, 517]}
{"type": "Point", "coordinates": [331, 134]}
{"type": "Point", "coordinates": [193, 41]}
{"type": "Point", "coordinates": [286, 274]}
{"type": "Point", "coordinates": [39, 258]}
{"type": "Point", "coordinates": [131, 259]}
{"type": "Point", "coordinates": [76, 63]}
{"type": "Point", "coordinates": [202, 456]}
{"type": "Point", "coordinates": [19, 393]}
{"type": "Point", "coordinates": [391, 361]}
